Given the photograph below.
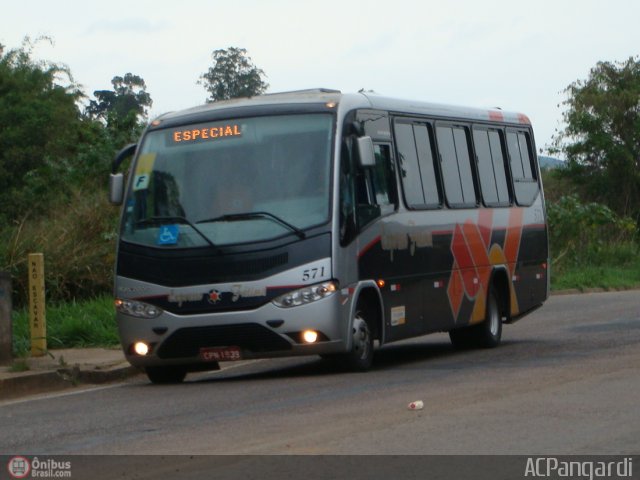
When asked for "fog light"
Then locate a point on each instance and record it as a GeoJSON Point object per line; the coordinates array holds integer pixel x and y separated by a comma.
{"type": "Point", "coordinates": [141, 348]}
{"type": "Point", "coordinates": [310, 336]}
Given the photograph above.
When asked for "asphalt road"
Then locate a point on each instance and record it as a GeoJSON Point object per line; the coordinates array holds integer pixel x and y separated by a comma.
{"type": "Point", "coordinates": [566, 380]}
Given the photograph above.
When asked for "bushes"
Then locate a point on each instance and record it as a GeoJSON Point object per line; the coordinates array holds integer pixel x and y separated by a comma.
{"type": "Point", "coordinates": [589, 234]}
{"type": "Point", "coordinates": [77, 239]}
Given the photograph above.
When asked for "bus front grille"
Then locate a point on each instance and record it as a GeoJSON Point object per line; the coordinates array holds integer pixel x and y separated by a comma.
{"type": "Point", "coordinates": [187, 342]}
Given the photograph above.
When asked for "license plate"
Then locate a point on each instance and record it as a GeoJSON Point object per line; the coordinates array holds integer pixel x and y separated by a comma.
{"type": "Point", "coordinates": [220, 354]}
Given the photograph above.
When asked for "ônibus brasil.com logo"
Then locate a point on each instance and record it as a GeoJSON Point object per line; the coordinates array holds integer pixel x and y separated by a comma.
{"type": "Point", "coordinates": [21, 467]}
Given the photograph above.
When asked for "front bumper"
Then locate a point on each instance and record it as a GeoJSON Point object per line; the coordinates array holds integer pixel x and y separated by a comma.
{"type": "Point", "coordinates": [265, 332]}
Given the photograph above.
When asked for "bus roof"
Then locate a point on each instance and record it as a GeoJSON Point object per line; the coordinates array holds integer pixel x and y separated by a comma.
{"type": "Point", "coordinates": [347, 101]}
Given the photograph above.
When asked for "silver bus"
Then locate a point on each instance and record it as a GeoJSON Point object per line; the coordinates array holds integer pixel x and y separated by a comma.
{"type": "Point", "coordinates": [322, 223]}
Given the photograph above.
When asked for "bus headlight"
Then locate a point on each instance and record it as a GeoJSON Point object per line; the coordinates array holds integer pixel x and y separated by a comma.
{"type": "Point", "coordinates": [137, 309]}
{"type": "Point", "coordinates": [306, 295]}
{"type": "Point", "coordinates": [141, 348]}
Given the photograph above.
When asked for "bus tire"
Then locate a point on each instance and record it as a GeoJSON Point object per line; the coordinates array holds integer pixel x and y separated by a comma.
{"type": "Point", "coordinates": [360, 358]}
{"type": "Point", "coordinates": [166, 375]}
{"type": "Point", "coordinates": [484, 335]}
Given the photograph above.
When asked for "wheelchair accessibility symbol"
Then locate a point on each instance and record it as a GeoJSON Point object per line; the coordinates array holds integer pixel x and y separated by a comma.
{"type": "Point", "coordinates": [168, 235]}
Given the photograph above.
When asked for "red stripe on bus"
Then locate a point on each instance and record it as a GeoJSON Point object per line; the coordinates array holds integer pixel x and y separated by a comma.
{"type": "Point", "coordinates": [287, 287]}
{"type": "Point", "coordinates": [496, 116]}
{"type": "Point", "coordinates": [369, 246]}
{"type": "Point", "coordinates": [460, 250]}
{"type": "Point", "coordinates": [522, 118]}
{"type": "Point", "coordinates": [485, 225]}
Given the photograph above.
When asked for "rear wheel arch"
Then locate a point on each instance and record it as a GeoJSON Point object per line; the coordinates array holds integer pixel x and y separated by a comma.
{"type": "Point", "coordinates": [488, 333]}
{"type": "Point", "coordinates": [499, 285]}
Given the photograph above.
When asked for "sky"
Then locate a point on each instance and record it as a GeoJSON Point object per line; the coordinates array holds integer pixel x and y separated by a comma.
{"type": "Point", "coordinates": [519, 56]}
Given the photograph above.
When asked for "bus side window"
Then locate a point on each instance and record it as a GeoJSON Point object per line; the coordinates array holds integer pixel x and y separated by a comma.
{"type": "Point", "coordinates": [491, 167]}
{"type": "Point", "coordinates": [417, 167]}
{"type": "Point", "coordinates": [453, 145]}
{"type": "Point", "coordinates": [409, 165]}
{"type": "Point", "coordinates": [375, 187]}
{"type": "Point", "coordinates": [347, 212]}
{"type": "Point", "coordinates": [525, 183]}
{"type": "Point", "coordinates": [501, 169]}
{"type": "Point", "coordinates": [382, 177]}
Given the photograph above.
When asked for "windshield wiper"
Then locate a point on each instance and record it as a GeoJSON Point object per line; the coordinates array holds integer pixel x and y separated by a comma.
{"type": "Point", "coordinates": [231, 217]}
{"type": "Point", "coordinates": [156, 220]}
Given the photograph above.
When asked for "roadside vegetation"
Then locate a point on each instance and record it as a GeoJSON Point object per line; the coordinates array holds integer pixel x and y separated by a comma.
{"type": "Point", "coordinates": [56, 146]}
{"type": "Point", "coordinates": [591, 246]}
{"type": "Point", "coordinates": [594, 202]}
{"type": "Point", "coordinates": [86, 323]}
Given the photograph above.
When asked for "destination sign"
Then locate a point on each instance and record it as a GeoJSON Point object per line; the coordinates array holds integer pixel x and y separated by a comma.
{"type": "Point", "coordinates": [207, 133]}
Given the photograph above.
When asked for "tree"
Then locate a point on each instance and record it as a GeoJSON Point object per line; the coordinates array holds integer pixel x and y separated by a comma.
{"type": "Point", "coordinates": [232, 75]}
{"type": "Point", "coordinates": [601, 140]}
{"type": "Point", "coordinates": [123, 109]}
{"type": "Point", "coordinates": [40, 125]}
{"type": "Point", "coordinates": [53, 165]}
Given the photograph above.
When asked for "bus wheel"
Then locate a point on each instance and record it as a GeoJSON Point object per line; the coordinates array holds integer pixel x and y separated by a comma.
{"type": "Point", "coordinates": [361, 356]}
{"type": "Point", "coordinates": [165, 375]}
{"type": "Point", "coordinates": [484, 335]}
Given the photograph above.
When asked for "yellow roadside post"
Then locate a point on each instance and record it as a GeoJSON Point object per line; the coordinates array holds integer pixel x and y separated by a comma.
{"type": "Point", "coordinates": [37, 314]}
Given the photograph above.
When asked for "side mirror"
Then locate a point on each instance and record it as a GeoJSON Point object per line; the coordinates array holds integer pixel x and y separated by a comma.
{"type": "Point", "coordinates": [366, 154]}
{"type": "Point", "coordinates": [116, 188]}
{"type": "Point", "coordinates": [116, 180]}
{"type": "Point", "coordinates": [126, 152]}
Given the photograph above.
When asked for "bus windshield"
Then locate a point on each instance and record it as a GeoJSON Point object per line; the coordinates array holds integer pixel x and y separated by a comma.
{"type": "Point", "coordinates": [229, 182]}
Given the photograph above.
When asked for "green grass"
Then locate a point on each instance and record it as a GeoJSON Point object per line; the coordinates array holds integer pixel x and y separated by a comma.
{"type": "Point", "coordinates": [611, 267]}
{"type": "Point", "coordinates": [88, 323]}
{"type": "Point", "coordinates": [606, 277]}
